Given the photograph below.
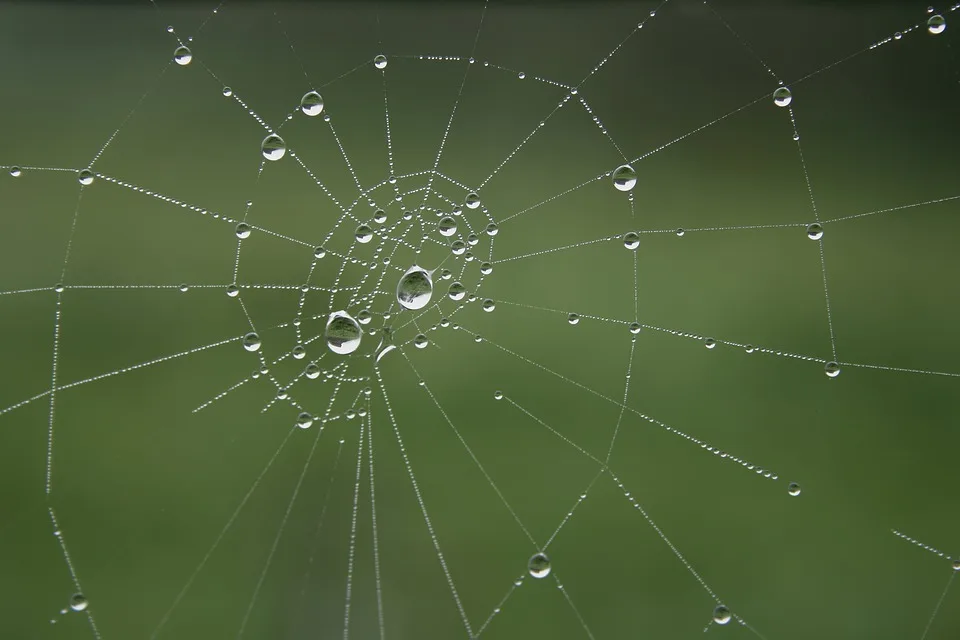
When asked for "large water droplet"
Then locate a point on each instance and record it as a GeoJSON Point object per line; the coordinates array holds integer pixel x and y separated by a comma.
{"type": "Point", "coordinates": [243, 230]}
{"type": "Point", "coordinates": [233, 291]}
{"type": "Point", "coordinates": [486, 268]}
{"type": "Point", "coordinates": [447, 226]}
{"type": "Point", "coordinates": [363, 234]}
{"type": "Point", "coordinates": [15, 172]}
{"type": "Point", "coordinates": [319, 253]}
{"type": "Point", "coordinates": [85, 177]}
{"type": "Point", "coordinates": [936, 24]}
{"type": "Point", "coordinates": [227, 92]}
{"type": "Point", "coordinates": [311, 103]}
{"type": "Point", "coordinates": [721, 614]}
{"type": "Point", "coordinates": [635, 328]}
{"type": "Point", "coordinates": [782, 97]}
{"type": "Point", "coordinates": [489, 305]}
{"type": "Point", "coordinates": [380, 62]}
{"type": "Point", "coordinates": [386, 343]}
{"type": "Point", "coordinates": [304, 420]}
{"type": "Point", "coordinates": [832, 369]}
{"type": "Point", "coordinates": [312, 371]}
{"type": "Point", "coordinates": [380, 216]}
{"type": "Point", "coordinates": [343, 333]}
{"type": "Point", "coordinates": [815, 231]}
{"type": "Point", "coordinates": [273, 147]}
{"type": "Point", "coordinates": [420, 342]}
{"type": "Point", "coordinates": [793, 489]}
{"type": "Point", "coordinates": [492, 229]}
{"type": "Point", "coordinates": [624, 178]}
{"type": "Point", "coordinates": [251, 341]}
{"type": "Point", "coordinates": [182, 56]}
{"type": "Point", "coordinates": [456, 291]}
{"type": "Point", "coordinates": [78, 602]}
{"type": "Point", "coordinates": [415, 288]}
{"type": "Point", "coordinates": [709, 343]}
{"type": "Point", "coordinates": [472, 201]}
{"type": "Point", "coordinates": [539, 565]}
{"type": "Point", "coordinates": [458, 247]}
{"type": "Point", "coordinates": [631, 240]}
{"type": "Point", "coordinates": [299, 352]}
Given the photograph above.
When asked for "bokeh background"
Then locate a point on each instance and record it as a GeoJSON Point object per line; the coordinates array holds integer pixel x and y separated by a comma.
{"type": "Point", "coordinates": [143, 487]}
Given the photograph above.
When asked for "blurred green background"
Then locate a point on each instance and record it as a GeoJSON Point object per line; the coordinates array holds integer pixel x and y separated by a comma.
{"type": "Point", "coordinates": [144, 488]}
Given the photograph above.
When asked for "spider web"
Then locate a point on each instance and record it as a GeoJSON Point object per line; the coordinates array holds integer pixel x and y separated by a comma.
{"type": "Point", "coordinates": [637, 414]}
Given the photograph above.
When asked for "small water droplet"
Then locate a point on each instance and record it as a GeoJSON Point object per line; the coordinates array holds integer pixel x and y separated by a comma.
{"type": "Point", "coordinates": [78, 602]}
{"type": "Point", "coordinates": [489, 305]}
{"type": "Point", "coordinates": [380, 62]}
{"type": "Point", "coordinates": [350, 414]}
{"type": "Point", "coordinates": [897, 35]}
{"type": "Point", "coordinates": [233, 291]}
{"type": "Point", "coordinates": [573, 318]}
{"type": "Point", "coordinates": [458, 247]}
{"type": "Point", "coordinates": [832, 369]}
{"type": "Point", "coordinates": [312, 371]}
{"type": "Point", "coordinates": [227, 92]}
{"type": "Point", "coordinates": [709, 343]}
{"type": "Point", "coordinates": [447, 226]}
{"type": "Point", "coordinates": [472, 240]}
{"type": "Point", "coordinates": [311, 103]}
{"type": "Point", "coordinates": [364, 316]}
{"type": "Point", "coordinates": [251, 341]}
{"type": "Point", "coordinates": [498, 395]}
{"type": "Point", "coordinates": [793, 489]}
{"type": "Point", "coordinates": [420, 342]}
{"type": "Point", "coordinates": [750, 348]}
{"type": "Point", "coordinates": [472, 201]}
{"type": "Point", "coordinates": [415, 288]}
{"type": "Point", "coordinates": [539, 565]}
{"type": "Point", "coordinates": [392, 179]}
{"type": "Point", "coordinates": [721, 614]}
{"type": "Point", "coordinates": [521, 75]}
{"type": "Point", "coordinates": [815, 231]}
{"type": "Point", "coordinates": [635, 328]}
{"type": "Point", "coordinates": [58, 288]}
{"type": "Point", "coordinates": [15, 172]}
{"type": "Point", "coordinates": [478, 338]}
{"type": "Point", "coordinates": [342, 333]}
{"type": "Point", "coordinates": [956, 565]}
{"type": "Point", "coordinates": [492, 229]}
{"type": "Point", "coordinates": [456, 291]}
{"type": "Point", "coordinates": [299, 352]}
{"type": "Point", "coordinates": [363, 234]}
{"type": "Point", "coordinates": [624, 178]}
{"type": "Point", "coordinates": [273, 147]}
{"type": "Point", "coordinates": [380, 216]}
{"type": "Point", "coordinates": [319, 253]}
{"type": "Point", "coordinates": [782, 97]}
{"type": "Point", "coordinates": [680, 233]}
{"type": "Point", "coordinates": [85, 177]}
{"type": "Point", "coordinates": [182, 56]}
{"type": "Point", "coordinates": [936, 24]}
{"type": "Point", "coordinates": [243, 230]}
{"type": "Point", "coordinates": [631, 241]}
{"type": "Point", "coordinates": [486, 268]}
{"type": "Point", "coordinates": [183, 288]}
{"type": "Point", "coordinates": [170, 28]}
{"type": "Point", "coordinates": [304, 420]}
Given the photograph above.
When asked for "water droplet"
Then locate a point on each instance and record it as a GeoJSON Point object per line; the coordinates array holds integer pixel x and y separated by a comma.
{"type": "Point", "coordinates": [311, 103]}
{"type": "Point", "coordinates": [709, 343]}
{"type": "Point", "coordinates": [635, 328]}
{"type": "Point", "coordinates": [498, 395]}
{"type": "Point", "coordinates": [170, 28]}
{"type": "Point", "coordinates": [350, 414]}
{"type": "Point", "coordinates": [363, 234]}
{"type": "Point", "coordinates": [936, 24]}
{"type": "Point", "coordinates": [319, 253]}
{"type": "Point", "coordinates": [392, 179]}
{"type": "Point", "coordinates": [486, 268]}
{"type": "Point", "coordinates": [251, 341]}
{"type": "Point", "coordinates": [367, 391]}
{"type": "Point", "coordinates": [793, 489]}
{"type": "Point", "coordinates": [521, 75]}
{"type": "Point", "coordinates": [380, 62]}
{"type": "Point", "coordinates": [227, 92]}
{"type": "Point", "coordinates": [456, 291]}
{"type": "Point", "coordinates": [386, 343]}
{"type": "Point", "coordinates": [815, 231]}
{"type": "Point", "coordinates": [342, 333]}
{"type": "Point", "coordinates": [458, 247]}
{"type": "Point", "coordinates": [361, 412]}
{"type": "Point", "coordinates": [721, 615]}
{"type": "Point", "coordinates": [472, 240]}
{"type": "Point", "coordinates": [624, 178]}
{"type": "Point", "coordinates": [472, 201]}
{"type": "Point", "coordinates": [182, 56]}
{"type": "Point", "coordinates": [492, 229]}
{"type": "Point", "coordinates": [573, 318]}
{"type": "Point", "coordinates": [539, 565]}
{"type": "Point", "coordinates": [447, 226]}
{"type": "Point", "coordinates": [273, 147]}
{"type": "Point", "coordinates": [478, 338]}
{"type": "Point", "coordinates": [183, 288]}
{"type": "Point", "coordinates": [58, 288]}
{"type": "Point", "coordinates": [304, 420]}
{"type": "Point", "coordinates": [956, 565]}
{"type": "Point", "coordinates": [78, 602]}
{"type": "Point", "coordinates": [243, 230]}
{"type": "Point", "coordinates": [897, 35]}
{"type": "Point", "coordinates": [380, 216]}
{"type": "Point", "coordinates": [832, 369]}
{"type": "Point", "coordinates": [680, 233]}
{"type": "Point", "coordinates": [445, 274]}
{"type": "Point", "coordinates": [415, 288]}
{"type": "Point", "coordinates": [312, 371]}
{"type": "Point", "coordinates": [15, 172]}
{"type": "Point", "coordinates": [299, 352]}
{"type": "Point", "coordinates": [85, 177]}
{"type": "Point", "coordinates": [631, 241]}
{"type": "Point", "coordinates": [233, 291]}
{"type": "Point", "coordinates": [420, 342]}
{"type": "Point", "coordinates": [364, 316]}
{"type": "Point", "coordinates": [489, 305]}
{"type": "Point", "coordinates": [782, 97]}
{"type": "Point", "coordinates": [750, 348]}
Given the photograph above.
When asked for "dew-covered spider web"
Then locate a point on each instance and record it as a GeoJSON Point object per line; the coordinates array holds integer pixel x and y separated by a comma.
{"type": "Point", "coordinates": [466, 319]}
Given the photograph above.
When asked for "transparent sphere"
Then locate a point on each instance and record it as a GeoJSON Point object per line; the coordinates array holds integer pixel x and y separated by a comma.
{"type": "Point", "coordinates": [721, 614]}
{"type": "Point", "coordinates": [489, 305]}
{"type": "Point", "coordinates": [304, 420]}
{"type": "Point", "coordinates": [15, 172]}
{"type": "Point", "coordinates": [243, 230]}
{"type": "Point", "coordinates": [472, 201]}
{"type": "Point", "coordinates": [319, 253]}
{"type": "Point", "coordinates": [311, 103]}
{"type": "Point", "coordinates": [815, 231]}
{"type": "Point", "coordinates": [312, 371]}
{"type": "Point", "coordinates": [709, 343]}
{"type": "Point", "coordinates": [58, 288]}
{"type": "Point", "coordinates": [380, 216]}
{"type": "Point", "coordinates": [782, 97]}
{"type": "Point", "coordinates": [680, 233]}
{"type": "Point", "coordinates": [273, 147]}
{"type": "Point", "coordinates": [624, 178]}
{"type": "Point", "coordinates": [251, 341]}
{"type": "Point", "coordinates": [85, 177]}
{"type": "Point", "coordinates": [227, 92]}
{"type": "Point", "coordinates": [78, 602]}
{"type": "Point", "coordinates": [363, 234]}
{"type": "Point", "coordinates": [832, 369]}
{"type": "Point", "coordinates": [456, 291]}
{"type": "Point", "coordinates": [793, 489]}
{"type": "Point", "coordinates": [492, 229]}
{"type": "Point", "coordinates": [447, 226]}
{"type": "Point", "coordinates": [299, 352]}
{"type": "Point", "coordinates": [380, 62]}
{"type": "Point", "coordinates": [342, 333]}
{"type": "Point", "coordinates": [486, 268]}
{"type": "Point", "coordinates": [458, 247]}
{"type": "Point", "coordinates": [498, 395]}
{"type": "Point", "coordinates": [635, 328]}
{"type": "Point", "coordinates": [573, 318]}
{"type": "Point", "coordinates": [473, 240]}
{"type": "Point", "coordinates": [415, 288]}
{"type": "Point", "coordinates": [936, 24]}
{"type": "Point", "coordinates": [364, 316]}
{"type": "Point", "coordinates": [183, 288]}
{"type": "Point", "coordinates": [420, 342]}
{"type": "Point", "coordinates": [631, 240]}
{"type": "Point", "coordinates": [182, 56]}
{"type": "Point", "coordinates": [233, 291]}
{"type": "Point", "coordinates": [539, 565]}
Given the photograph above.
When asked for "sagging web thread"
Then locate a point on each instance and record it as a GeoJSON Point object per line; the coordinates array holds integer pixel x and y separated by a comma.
{"type": "Point", "coordinates": [467, 219]}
